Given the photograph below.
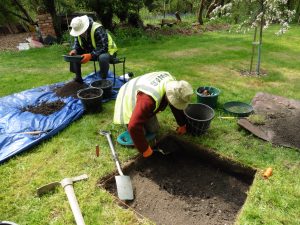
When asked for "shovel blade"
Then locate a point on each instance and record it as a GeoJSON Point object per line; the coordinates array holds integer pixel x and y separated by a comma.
{"type": "Point", "coordinates": [124, 187]}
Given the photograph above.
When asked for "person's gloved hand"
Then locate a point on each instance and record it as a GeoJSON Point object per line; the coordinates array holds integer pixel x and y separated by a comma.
{"type": "Point", "coordinates": [73, 52]}
{"type": "Point", "coordinates": [86, 58]}
{"type": "Point", "coordinates": [181, 130]}
{"type": "Point", "coordinates": [148, 152]}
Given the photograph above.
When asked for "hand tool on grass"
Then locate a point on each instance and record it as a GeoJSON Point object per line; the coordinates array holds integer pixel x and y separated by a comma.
{"type": "Point", "coordinates": [268, 172]}
{"type": "Point", "coordinates": [231, 117]}
{"type": "Point", "coordinates": [67, 184]}
{"type": "Point", "coordinates": [34, 132]}
{"type": "Point", "coordinates": [124, 186]}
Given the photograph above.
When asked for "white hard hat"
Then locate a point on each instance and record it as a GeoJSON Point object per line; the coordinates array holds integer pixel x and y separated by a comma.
{"type": "Point", "coordinates": [79, 25]}
{"type": "Point", "coordinates": [179, 93]}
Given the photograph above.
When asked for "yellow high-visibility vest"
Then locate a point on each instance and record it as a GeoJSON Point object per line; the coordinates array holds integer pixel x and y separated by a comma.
{"type": "Point", "coordinates": [112, 47]}
{"type": "Point", "coordinates": [153, 84]}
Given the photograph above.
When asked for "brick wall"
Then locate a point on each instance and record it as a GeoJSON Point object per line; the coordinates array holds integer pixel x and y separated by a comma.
{"type": "Point", "coordinates": [46, 25]}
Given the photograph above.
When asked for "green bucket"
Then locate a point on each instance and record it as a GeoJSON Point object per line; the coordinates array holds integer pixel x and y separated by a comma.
{"type": "Point", "coordinates": [208, 95]}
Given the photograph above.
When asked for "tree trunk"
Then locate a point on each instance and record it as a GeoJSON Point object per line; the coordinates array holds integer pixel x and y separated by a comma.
{"type": "Point", "coordinates": [20, 13]}
{"type": "Point", "coordinates": [50, 7]}
{"type": "Point", "coordinates": [200, 12]}
{"type": "Point", "coordinates": [297, 8]}
{"type": "Point", "coordinates": [212, 6]}
{"type": "Point", "coordinates": [106, 19]}
{"type": "Point", "coordinates": [164, 9]}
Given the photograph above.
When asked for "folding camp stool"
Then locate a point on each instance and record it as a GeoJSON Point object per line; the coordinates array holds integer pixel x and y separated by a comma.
{"type": "Point", "coordinates": [115, 60]}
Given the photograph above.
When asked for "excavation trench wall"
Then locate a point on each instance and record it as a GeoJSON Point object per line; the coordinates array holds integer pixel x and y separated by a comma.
{"type": "Point", "coordinates": [192, 185]}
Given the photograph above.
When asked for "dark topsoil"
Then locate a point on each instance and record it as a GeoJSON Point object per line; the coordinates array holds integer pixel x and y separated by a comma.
{"type": "Point", "coordinates": [45, 108]}
{"type": "Point", "coordinates": [70, 89]}
{"type": "Point", "coordinates": [183, 188]}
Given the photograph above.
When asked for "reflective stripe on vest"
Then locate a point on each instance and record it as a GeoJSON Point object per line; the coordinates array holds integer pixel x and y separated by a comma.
{"type": "Point", "coordinates": [153, 84]}
{"type": "Point", "coordinates": [112, 47]}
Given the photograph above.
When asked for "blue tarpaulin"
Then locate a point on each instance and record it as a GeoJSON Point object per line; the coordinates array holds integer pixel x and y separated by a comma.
{"type": "Point", "coordinates": [14, 121]}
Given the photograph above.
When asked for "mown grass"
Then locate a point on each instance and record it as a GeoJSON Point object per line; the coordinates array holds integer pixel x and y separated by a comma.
{"type": "Point", "coordinates": [213, 58]}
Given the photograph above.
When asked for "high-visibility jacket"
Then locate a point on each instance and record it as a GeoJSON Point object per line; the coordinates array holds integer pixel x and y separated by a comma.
{"type": "Point", "coordinates": [153, 84]}
{"type": "Point", "coordinates": [112, 47]}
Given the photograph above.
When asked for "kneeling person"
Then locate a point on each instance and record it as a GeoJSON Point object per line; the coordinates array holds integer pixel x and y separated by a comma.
{"type": "Point", "coordinates": [143, 97]}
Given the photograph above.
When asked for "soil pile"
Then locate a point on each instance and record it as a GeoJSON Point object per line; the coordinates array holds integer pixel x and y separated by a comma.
{"type": "Point", "coordinates": [70, 89]}
{"type": "Point", "coordinates": [281, 125]}
{"type": "Point", "coordinates": [45, 108]}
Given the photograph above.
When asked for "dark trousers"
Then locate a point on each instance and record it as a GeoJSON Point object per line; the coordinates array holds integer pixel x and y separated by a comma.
{"type": "Point", "coordinates": [103, 60]}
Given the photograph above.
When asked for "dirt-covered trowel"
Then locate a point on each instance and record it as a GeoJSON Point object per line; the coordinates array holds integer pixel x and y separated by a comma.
{"type": "Point", "coordinates": [67, 184]}
{"type": "Point", "coordinates": [124, 186]}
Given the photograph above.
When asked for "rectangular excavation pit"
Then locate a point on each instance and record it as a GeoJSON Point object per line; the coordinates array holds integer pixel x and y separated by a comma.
{"type": "Point", "coordinates": [192, 185]}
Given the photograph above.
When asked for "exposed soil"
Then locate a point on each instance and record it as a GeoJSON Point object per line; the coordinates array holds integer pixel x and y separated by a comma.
{"type": "Point", "coordinates": [174, 31]}
{"type": "Point", "coordinates": [45, 108]}
{"type": "Point", "coordinates": [216, 27]}
{"type": "Point", "coordinates": [196, 28]}
{"type": "Point", "coordinates": [70, 89]}
{"type": "Point", "coordinates": [281, 125]}
{"type": "Point", "coordinates": [184, 188]}
{"type": "Point", "coordinates": [11, 41]}
{"type": "Point", "coordinates": [253, 73]}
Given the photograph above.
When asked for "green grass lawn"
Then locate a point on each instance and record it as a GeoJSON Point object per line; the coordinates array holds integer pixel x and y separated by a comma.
{"type": "Point", "coordinates": [212, 58]}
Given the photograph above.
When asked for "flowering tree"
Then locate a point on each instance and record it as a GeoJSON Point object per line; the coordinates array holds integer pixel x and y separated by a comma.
{"type": "Point", "coordinates": [258, 14]}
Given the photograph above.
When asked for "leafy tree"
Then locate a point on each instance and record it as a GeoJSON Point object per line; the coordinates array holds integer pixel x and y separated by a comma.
{"type": "Point", "coordinates": [14, 10]}
{"type": "Point", "coordinates": [257, 14]}
{"type": "Point", "coordinates": [153, 5]}
{"type": "Point", "coordinates": [106, 9]}
{"type": "Point", "coordinates": [126, 9]}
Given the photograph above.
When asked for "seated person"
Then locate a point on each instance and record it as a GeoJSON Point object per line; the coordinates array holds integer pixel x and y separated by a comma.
{"type": "Point", "coordinates": [93, 43]}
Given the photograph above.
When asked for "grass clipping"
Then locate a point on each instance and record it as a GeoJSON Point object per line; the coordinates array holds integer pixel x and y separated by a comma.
{"type": "Point", "coordinates": [257, 119]}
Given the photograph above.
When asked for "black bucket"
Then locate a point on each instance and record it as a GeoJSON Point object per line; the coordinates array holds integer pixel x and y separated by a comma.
{"type": "Point", "coordinates": [91, 99]}
{"type": "Point", "coordinates": [105, 85]}
{"type": "Point", "coordinates": [198, 117]}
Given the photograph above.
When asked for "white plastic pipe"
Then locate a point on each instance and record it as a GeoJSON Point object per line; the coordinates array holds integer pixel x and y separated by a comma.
{"type": "Point", "coordinates": [67, 184]}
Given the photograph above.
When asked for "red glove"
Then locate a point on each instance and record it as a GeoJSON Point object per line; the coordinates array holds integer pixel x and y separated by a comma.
{"type": "Point", "coordinates": [73, 52]}
{"type": "Point", "coordinates": [86, 58]}
{"type": "Point", "coordinates": [148, 152]}
{"type": "Point", "coordinates": [181, 130]}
